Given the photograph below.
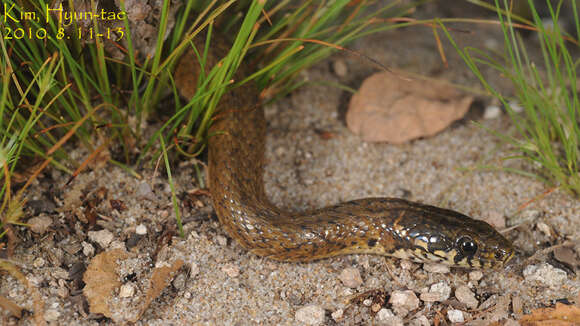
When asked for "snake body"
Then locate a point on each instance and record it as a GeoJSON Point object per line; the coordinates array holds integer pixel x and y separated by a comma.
{"type": "Point", "coordinates": [384, 226]}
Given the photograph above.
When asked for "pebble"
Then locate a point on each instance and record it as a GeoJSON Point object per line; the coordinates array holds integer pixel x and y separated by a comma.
{"type": "Point", "coordinates": [350, 277]}
{"type": "Point", "coordinates": [455, 316]}
{"type": "Point", "coordinates": [38, 262]}
{"type": "Point", "coordinates": [367, 302]}
{"type": "Point", "coordinates": [436, 268]}
{"type": "Point", "coordinates": [545, 274]}
{"type": "Point", "coordinates": [62, 292]}
{"type": "Point", "coordinates": [127, 290]}
{"type": "Point", "coordinates": [141, 229]}
{"type": "Point", "coordinates": [310, 315]}
{"type": "Point", "coordinates": [386, 317]}
{"type": "Point", "coordinates": [437, 292]}
{"type": "Point", "coordinates": [337, 315]}
{"type": "Point", "coordinates": [179, 281]}
{"type": "Point", "coordinates": [88, 249]}
{"type": "Point", "coordinates": [231, 270]}
{"type": "Point", "coordinates": [103, 237]}
{"type": "Point", "coordinates": [405, 264]}
{"type": "Point", "coordinates": [464, 295]}
{"type": "Point", "coordinates": [516, 107]}
{"type": "Point", "coordinates": [475, 276]}
{"type": "Point", "coordinates": [404, 301]}
{"type": "Point", "coordinates": [544, 228]}
{"type": "Point", "coordinates": [420, 321]}
{"type": "Point", "coordinates": [51, 315]}
{"type": "Point", "coordinates": [491, 112]}
{"type": "Point", "coordinates": [221, 240]}
{"type": "Point", "coordinates": [40, 224]}
{"type": "Point", "coordinates": [193, 269]}
{"type": "Point", "coordinates": [340, 68]}
{"type": "Point", "coordinates": [144, 191]}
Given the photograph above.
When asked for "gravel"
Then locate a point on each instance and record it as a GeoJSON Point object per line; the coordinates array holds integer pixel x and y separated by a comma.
{"type": "Point", "coordinates": [310, 315]}
{"type": "Point", "coordinates": [103, 238]}
{"type": "Point", "coordinates": [350, 277]}
{"type": "Point", "coordinates": [545, 274]}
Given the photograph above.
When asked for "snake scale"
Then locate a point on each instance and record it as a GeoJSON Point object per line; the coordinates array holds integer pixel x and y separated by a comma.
{"type": "Point", "coordinates": [383, 226]}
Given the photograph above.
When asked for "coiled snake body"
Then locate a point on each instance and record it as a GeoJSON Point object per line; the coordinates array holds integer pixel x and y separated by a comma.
{"type": "Point", "coordinates": [384, 226]}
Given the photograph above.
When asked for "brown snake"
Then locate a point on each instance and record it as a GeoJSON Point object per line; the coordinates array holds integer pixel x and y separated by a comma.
{"type": "Point", "coordinates": [383, 226]}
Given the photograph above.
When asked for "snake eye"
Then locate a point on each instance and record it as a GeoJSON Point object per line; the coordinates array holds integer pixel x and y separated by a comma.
{"type": "Point", "coordinates": [467, 246]}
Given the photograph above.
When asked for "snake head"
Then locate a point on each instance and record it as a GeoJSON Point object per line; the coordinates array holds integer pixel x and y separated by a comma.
{"type": "Point", "coordinates": [451, 238]}
{"type": "Point", "coordinates": [481, 246]}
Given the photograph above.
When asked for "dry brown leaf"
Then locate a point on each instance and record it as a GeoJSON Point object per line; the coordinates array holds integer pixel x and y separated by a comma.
{"type": "Point", "coordinates": [390, 109]}
{"type": "Point", "coordinates": [101, 280]}
{"type": "Point", "coordinates": [159, 280]}
{"type": "Point", "coordinates": [561, 315]}
{"type": "Point", "coordinates": [567, 255]}
{"type": "Point", "coordinates": [36, 298]}
{"type": "Point", "coordinates": [8, 305]}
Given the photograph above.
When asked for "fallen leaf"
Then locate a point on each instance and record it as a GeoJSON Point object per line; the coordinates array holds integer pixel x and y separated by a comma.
{"type": "Point", "coordinates": [101, 280]}
{"type": "Point", "coordinates": [37, 302]}
{"type": "Point", "coordinates": [568, 256]}
{"type": "Point", "coordinates": [561, 315]}
{"type": "Point", "coordinates": [389, 109]}
{"type": "Point", "coordinates": [159, 280]}
{"type": "Point", "coordinates": [8, 305]}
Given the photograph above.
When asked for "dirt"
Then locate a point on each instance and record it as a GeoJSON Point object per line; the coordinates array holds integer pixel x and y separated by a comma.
{"type": "Point", "coordinates": [313, 161]}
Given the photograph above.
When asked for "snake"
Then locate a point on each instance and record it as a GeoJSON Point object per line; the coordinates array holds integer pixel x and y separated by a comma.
{"type": "Point", "coordinates": [392, 227]}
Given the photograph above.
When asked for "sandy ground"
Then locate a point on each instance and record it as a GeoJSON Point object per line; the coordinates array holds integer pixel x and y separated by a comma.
{"type": "Point", "coordinates": [221, 284]}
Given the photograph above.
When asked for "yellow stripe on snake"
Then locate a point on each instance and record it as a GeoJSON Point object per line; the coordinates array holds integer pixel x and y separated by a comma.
{"type": "Point", "coordinates": [382, 226]}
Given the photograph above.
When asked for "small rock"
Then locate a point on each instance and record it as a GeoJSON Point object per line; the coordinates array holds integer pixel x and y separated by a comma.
{"type": "Point", "coordinates": [127, 290]}
{"type": "Point", "coordinates": [310, 315]}
{"type": "Point", "coordinates": [545, 274]}
{"type": "Point", "coordinates": [337, 315]}
{"type": "Point", "coordinates": [436, 268]}
{"type": "Point", "coordinates": [491, 112]}
{"type": "Point", "coordinates": [475, 276]}
{"type": "Point", "coordinates": [464, 295]}
{"type": "Point", "coordinates": [367, 302]}
{"type": "Point", "coordinates": [51, 315]}
{"type": "Point", "coordinates": [437, 292]}
{"type": "Point", "coordinates": [455, 316]}
{"type": "Point", "coordinates": [38, 262]}
{"type": "Point", "coordinates": [404, 301]}
{"type": "Point", "coordinates": [223, 241]}
{"type": "Point", "coordinates": [103, 237]}
{"type": "Point", "coordinates": [179, 281]}
{"type": "Point", "coordinates": [340, 68]}
{"type": "Point", "coordinates": [193, 269]}
{"type": "Point", "coordinates": [406, 265]}
{"type": "Point", "coordinates": [117, 244]}
{"type": "Point", "coordinates": [517, 305]}
{"type": "Point", "coordinates": [40, 224]}
{"type": "Point", "coordinates": [62, 292]}
{"type": "Point", "coordinates": [231, 270]}
{"type": "Point", "coordinates": [420, 321]}
{"type": "Point", "coordinates": [350, 277]}
{"type": "Point", "coordinates": [386, 317]}
{"type": "Point", "coordinates": [544, 228]}
{"type": "Point", "coordinates": [141, 229]}
{"type": "Point", "coordinates": [518, 108]}
{"type": "Point", "coordinates": [88, 249]}
{"type": "Point", "coordinates": [144, 191]}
